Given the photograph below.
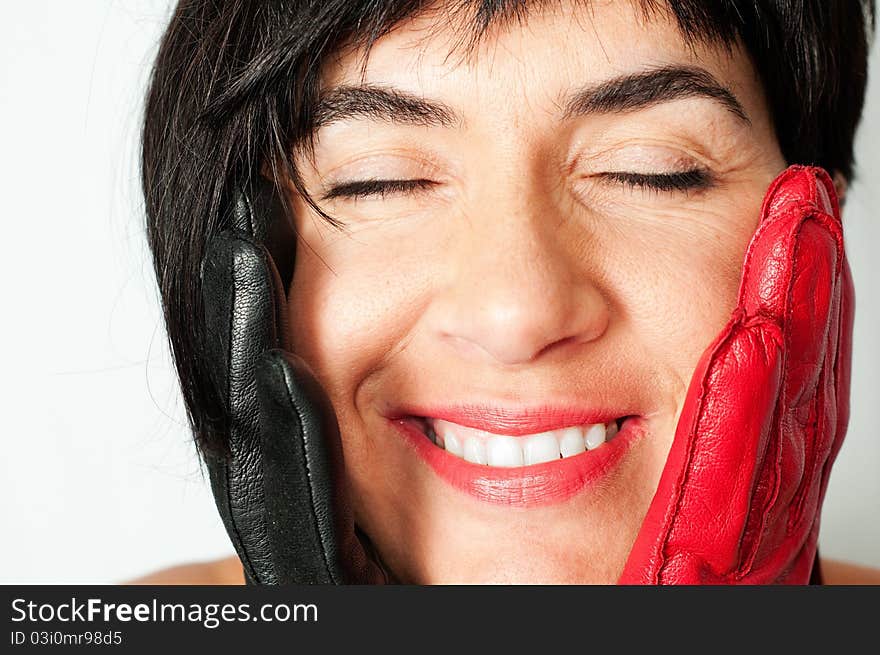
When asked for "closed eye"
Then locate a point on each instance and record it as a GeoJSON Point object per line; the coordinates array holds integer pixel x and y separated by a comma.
{"type": "Point", "coordinates": [368, 188]}
{"type": "Point", "coordinates": [691, 180]}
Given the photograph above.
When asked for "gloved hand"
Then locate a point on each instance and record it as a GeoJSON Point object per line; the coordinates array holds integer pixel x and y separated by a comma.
{"type": "Point", "coordinates": [281, 491]}
{"type": "Point", "coordinates": [766, 411]}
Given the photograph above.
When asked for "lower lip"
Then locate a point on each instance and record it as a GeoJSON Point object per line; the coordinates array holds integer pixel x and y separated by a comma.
{"type": "Point", "coordinates": [526, 486]}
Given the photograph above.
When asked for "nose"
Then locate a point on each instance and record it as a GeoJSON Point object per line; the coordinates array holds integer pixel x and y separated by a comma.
{"type": "Point", "coordinates": [516, 289]}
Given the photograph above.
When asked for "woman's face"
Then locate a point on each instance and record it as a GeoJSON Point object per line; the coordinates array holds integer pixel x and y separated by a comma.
{"type": "Point", "coordinates": [581, 193]}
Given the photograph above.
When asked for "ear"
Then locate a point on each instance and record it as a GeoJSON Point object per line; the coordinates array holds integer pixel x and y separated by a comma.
{"type": "Point", "coordinates": [841, 185]}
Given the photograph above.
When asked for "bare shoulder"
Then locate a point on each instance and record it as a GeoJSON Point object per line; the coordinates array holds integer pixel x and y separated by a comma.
{"type": "Point", "coordinates": [837, 572]}
{"type": "Point", "coordinates": [226, 571]}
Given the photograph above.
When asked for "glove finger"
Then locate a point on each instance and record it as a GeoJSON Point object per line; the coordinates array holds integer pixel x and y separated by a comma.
{"type": "Point", "coordinates": [310, 522]}
{"type": "Point", "coordinates": [835, 397]}
{"type": "Point", "coordinates": [243, 306]}
{"type": "Point", "coordinates": [791, 268]}
{"type": "Point", "coordinates": [825, 428]}
{"type": "Point", "coordinates": [242, 314]}
{"type": "Point", "coordinates": [697, 519]}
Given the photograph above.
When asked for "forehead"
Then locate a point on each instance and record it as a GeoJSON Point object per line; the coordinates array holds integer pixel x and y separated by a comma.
{"type": "Point", "coordinates": [545, 49]}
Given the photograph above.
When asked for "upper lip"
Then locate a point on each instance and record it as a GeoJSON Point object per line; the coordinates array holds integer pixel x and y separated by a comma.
{"type": "Point", "coordinates": [514, 420]}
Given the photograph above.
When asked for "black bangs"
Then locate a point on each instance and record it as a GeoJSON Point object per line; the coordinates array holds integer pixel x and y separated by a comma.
{"type": "Point", "coordinates": [235, 84]}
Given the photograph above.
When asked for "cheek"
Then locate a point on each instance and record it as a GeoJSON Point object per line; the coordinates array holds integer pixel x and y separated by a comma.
{"type": "Point", "coordinates": [684, 279]}
{"type": "Point", "coordinates": [350, 307]}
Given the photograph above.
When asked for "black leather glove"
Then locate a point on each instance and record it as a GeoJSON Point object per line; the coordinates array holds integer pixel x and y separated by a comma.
{"type": "Point", "coordinates": [281, 491]}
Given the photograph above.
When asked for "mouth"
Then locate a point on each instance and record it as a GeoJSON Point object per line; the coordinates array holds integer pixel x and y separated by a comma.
{"type": "Point", "coordinates": [520, 459]}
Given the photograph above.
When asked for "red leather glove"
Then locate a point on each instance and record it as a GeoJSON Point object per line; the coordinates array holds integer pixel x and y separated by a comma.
{"type": "Point", "coordinates": [766, 411]}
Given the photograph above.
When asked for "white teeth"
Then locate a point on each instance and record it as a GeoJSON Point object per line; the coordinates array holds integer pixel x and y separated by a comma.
{"type": "Point", "coordinates": [504, 451]}
{"type": "Point", "coordinates": [480, 447]}
{"type": "Point", "coordinates": [475, 451]}
{"type": "Point", "coordinates": [453, 444]}
{"type": "Point", "coordinates": [571, 442]}
{"type": "Point", "coordinates": [542, 447]}
{"type": "Point", "coordinates": [594, 436]}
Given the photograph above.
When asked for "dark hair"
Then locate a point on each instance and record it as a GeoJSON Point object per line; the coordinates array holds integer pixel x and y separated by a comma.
{"type": "Point", "coordinates": [235, 82]}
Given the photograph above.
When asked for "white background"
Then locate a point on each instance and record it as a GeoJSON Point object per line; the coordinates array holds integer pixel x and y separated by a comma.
{"type": "Point", "coordinates": [98, 478]}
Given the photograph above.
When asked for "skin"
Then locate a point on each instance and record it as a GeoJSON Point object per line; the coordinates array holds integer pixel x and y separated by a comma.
{"type": "Point", "coordinates": [522, 275]}
{"type": "Point", "coordinates": [530, 277]}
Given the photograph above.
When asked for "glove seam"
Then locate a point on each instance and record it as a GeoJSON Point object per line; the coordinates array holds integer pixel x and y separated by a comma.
{"type": "Point", "coordinates": [302, 423]}
{"type": "Point", "coordinates": [243, 550]}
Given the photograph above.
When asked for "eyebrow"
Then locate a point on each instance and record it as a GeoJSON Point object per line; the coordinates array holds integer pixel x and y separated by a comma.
{"type": "Point", "coordinates": [651, 87]}
{"type": "Point", "coordinates": [383, 104]}
{"type": "Point", "coordinates": [625, 93]}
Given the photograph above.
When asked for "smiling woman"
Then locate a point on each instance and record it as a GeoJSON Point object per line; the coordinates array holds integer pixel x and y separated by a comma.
{"type": "Point", "coordinates": [507, 266]}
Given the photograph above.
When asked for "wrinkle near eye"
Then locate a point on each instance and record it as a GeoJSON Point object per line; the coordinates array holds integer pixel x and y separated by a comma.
{"type": "Point", "coordinates": [639, 158]}
{"type": "Point", "coordinates": [694, 129]}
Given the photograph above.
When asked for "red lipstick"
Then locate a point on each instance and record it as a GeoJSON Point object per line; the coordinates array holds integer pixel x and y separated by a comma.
{"type": "Point", "coordinates": [526, 486]}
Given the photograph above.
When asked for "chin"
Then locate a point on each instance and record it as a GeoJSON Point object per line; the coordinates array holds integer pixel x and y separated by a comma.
{"type": "Point", "coordinates": [526, 573]}
{"type": "Point", "coordinates": [532, 563]}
